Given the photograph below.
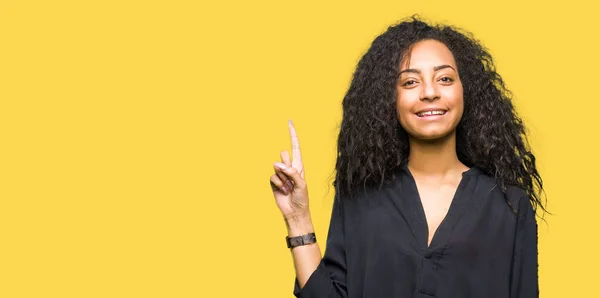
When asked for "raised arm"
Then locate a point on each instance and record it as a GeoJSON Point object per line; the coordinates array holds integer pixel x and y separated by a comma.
{"type": "Point", "coordinates": [315, 276]}
{"type": "Point", "coordinates": [291, 195]}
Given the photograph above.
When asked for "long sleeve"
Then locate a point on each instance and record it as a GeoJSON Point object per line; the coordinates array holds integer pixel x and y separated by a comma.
{"type": "Point", "coordinates": [524, 281]}
{"type": "Point", "coordinates": [329, 279]}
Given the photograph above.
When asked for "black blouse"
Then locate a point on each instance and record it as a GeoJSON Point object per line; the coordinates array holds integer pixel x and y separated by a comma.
{"type": "Point", "coordinates": [377, 244]}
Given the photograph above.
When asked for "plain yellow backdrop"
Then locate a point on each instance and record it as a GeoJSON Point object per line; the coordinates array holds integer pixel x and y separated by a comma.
{"type": "Point", "coordinates": [137, 137]}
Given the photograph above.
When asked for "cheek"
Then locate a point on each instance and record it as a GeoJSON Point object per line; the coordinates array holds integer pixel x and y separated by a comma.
{"type": "Point", "coordinates": [457, 94]}
{"type": "Point", "coordinates": [405, 102]}
{"type": "Point", "coordinates": [460, 105]}
{"type": "Point", "coordinates": [401, 108]}
{"type": "Point", "coordinates": [455, 98]}
{"type": "Point", "coordinates": [404, 109]}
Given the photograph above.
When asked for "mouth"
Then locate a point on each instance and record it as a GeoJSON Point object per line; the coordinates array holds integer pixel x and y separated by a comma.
{"type": "Point", "coordinates": [431, 113]}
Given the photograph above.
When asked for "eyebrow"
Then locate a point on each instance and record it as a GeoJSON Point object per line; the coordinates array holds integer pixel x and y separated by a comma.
{"type": "Point", "coordinates": [435, 68]}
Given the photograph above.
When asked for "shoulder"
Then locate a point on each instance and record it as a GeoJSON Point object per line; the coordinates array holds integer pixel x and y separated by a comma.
{"type": "Point", "coordinates": [515, 197]}
{"type": "Point", "coordinates": [520, 202]}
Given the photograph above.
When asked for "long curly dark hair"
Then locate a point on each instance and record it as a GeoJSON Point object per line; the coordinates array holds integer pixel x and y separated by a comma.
{"type": "Point", "coordinates": [490, 135]}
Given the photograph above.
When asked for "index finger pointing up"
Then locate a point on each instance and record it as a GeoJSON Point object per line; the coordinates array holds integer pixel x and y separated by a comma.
{"type": "Point", "coordinates": [296, 156]}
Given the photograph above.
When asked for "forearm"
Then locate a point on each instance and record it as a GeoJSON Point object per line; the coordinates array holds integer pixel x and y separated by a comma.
{"type": "Point", "coordinates": [306, 257]}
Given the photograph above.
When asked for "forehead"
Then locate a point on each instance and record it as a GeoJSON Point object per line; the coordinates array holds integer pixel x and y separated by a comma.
{"type": "Point", "coordinates": [426, 54]}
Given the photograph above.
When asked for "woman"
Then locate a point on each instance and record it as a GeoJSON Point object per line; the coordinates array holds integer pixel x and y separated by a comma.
{"type": "Point", "coordinates": [436, 188]}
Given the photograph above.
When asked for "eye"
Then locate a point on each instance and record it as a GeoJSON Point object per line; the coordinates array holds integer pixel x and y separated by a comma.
{"type": "Point", "coordinates": [409, 83]}
{"type": "Point", "coordinates": [446, 79]}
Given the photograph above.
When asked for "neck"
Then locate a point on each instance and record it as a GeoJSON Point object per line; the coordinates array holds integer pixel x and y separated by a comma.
{"type": "Point", "coordinates": [434, 157]}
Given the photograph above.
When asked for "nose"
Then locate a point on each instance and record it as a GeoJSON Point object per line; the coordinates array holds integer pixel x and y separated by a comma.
{"type": "Point", "coordinates": [429, 91]}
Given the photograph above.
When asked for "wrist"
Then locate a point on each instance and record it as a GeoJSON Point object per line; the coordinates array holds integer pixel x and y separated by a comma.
{"type": "Point", "coordinates": [299, 224]}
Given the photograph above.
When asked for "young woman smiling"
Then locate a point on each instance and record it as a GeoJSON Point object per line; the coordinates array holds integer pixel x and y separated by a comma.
{"type": "Point", "coordinates": [436, 187]}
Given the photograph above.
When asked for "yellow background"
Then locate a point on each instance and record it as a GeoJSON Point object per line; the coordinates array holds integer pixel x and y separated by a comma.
{"type": "Point", "coordinates": [137, 137]}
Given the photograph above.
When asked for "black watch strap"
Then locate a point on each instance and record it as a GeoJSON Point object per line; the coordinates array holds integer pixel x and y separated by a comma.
{"type": "Point", "coordinates": [301, 240]}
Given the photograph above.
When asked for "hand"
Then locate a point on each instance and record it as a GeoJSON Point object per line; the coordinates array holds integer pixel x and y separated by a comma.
{"type": "Point", "coordinates": [288, 184]}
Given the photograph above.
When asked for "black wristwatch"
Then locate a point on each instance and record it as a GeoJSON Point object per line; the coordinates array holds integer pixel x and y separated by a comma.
{"type": "Point", "coordinates": [301, 240]}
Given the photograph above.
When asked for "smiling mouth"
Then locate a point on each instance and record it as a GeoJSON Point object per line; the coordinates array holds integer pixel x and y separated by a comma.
{"type": "Point", "coordinates": [431, 113]}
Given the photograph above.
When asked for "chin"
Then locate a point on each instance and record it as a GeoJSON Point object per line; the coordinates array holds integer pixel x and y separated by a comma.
{"type": "Point", "coordinates": [432, 136]}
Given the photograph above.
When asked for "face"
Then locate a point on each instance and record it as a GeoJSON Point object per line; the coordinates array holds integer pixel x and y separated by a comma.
{"type": "Point", "coordinates": [430, 93]}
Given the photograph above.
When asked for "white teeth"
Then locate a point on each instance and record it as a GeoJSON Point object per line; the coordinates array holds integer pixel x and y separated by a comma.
{"type": "Point", "coordinates": [429, 113]}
